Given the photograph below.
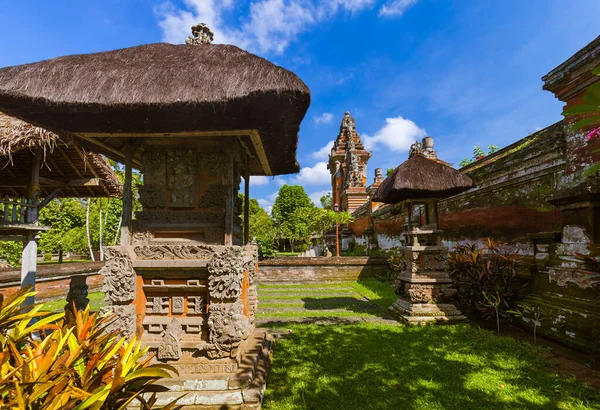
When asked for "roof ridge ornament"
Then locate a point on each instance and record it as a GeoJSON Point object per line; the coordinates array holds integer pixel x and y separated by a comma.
{"type": "Point", "coordinates": [201, 34]}
{"type": "Point", "coordinates": [424, 149]}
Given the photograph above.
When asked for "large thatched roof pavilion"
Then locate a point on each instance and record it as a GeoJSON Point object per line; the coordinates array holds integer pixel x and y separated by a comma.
{"type": "Point", "coordinates": [164, 90]}
{"type": "Point", "coordinates": [195, 119]}
{"type": "Point", "coordinates": [64, 165]}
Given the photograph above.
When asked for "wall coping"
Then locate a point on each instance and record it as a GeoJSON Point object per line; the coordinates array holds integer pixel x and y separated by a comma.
{"type": "Point", "coordinates": [54, 271]}
{"type": "Point", "coordinates": [324, 261]}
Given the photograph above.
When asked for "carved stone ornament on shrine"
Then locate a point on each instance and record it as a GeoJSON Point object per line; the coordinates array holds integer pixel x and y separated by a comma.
{"type": "Point", "coordinates": [201, 34]}
{"type": "Point", "coordinates": [170, 347]}
{"type": "Point", "coordinates": [226, 271]}
{"type": "Point", "coordinates": [119, 276]}
{"type": "Point", "coordinates": [227, 325]}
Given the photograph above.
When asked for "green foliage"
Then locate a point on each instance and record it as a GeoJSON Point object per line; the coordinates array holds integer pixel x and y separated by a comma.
{"type": "Point", "coordinates": [389, 171]}
{"type": "Point", "coordinates": [261, 227]}
{"type": "Point", "coordinates": [326, 201]}
{"type": "Point", "coordinates": [486, 279]}
{"type": "Point", "coordinates": [73, 363]}
{"type": "Point", "coordinates": [62, 216]}
{"type": "Point", "coordinates": [477, 155]}
{"type": "Point", "coordinates": [590, 266]}
{"type": "Point", "coordinates": [289, 199]}
{"type": "Point", "coordinates": [11, 252]}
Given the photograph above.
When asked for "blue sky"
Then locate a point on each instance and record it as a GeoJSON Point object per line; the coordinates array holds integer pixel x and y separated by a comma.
{"type": "Point", "coordinates": [465, 72]}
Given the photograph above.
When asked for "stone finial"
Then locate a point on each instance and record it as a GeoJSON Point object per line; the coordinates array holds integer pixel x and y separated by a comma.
{"type": "Point", "coordinates": [424, 148]}
{"type": "Point", "coordinates": [348, 123]}
{"type": "Point", "coordinates": [378, 174]}
{"type": "Point", "coordinates": [201, 34]}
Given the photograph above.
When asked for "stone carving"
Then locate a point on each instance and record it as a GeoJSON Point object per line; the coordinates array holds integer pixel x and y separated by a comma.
{"type": "Point", "coordinates": [170, 347]}
{"type": "Point", "coordinates": [418, 293]}
{"type": "Point", "coordinates": [123, 319]}
{"type": "Point", "coordinates": [152, 197]}
{"type": "Point", "coordinates": [446, 293]}
{"type": "Point", "coordinates": [201, 34]}
{"type": "Point", "coordinates": [177, 304]}
{"type": "Point", "coordinates": [227, 325]}
{"type": "Point", "coordinates": [153, 163]}
{"type": "Point", "coordinates": [196, 305]}
{"type": "Point", "coordinates": [181, 177]}
{"type": "Point", "coordinates": [214, 164]}
{"type": "Point", "coordinates": [157, 305]}
{"type": "Point", "coordinates": [119, 276]}
{"type": "Point", "coordinates": [348, 122]}
{"type": "Point", "coordinates": [214, 196]}
{"type": "Point", "coordinates": [226, 274]}
{"type": "Point", "coordinates": [142, 237]}
{"type": "Point", "coordinates": [424, 149]}
{"type": "Point", "coordinates": [78, 292]}
{"type": "Point", "coordinates": [172, 252]}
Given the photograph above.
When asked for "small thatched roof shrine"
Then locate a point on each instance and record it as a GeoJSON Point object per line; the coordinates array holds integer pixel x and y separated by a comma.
{"type": "Point", "coordinates": [164, 90]}
{"type": "Point", "coordinates": [79, 174]}
{"type": "Point", "coordinates": [422, 177]}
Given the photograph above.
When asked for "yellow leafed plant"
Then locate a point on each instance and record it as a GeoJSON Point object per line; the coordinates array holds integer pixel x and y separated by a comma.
{"type": "Point", "coordinates": [49, 361]}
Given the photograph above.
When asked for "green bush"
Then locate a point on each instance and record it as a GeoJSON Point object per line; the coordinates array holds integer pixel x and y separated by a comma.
{"type": "Point", "coordinates": [47, 256]}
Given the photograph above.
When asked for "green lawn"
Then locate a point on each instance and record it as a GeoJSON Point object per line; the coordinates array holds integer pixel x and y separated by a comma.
{"type": "Point", "coordinates": [378, 364]}
{"type": "Point", "coordinates": [96, 302]}
{"type": "Point", "coordinates": [286, 254]}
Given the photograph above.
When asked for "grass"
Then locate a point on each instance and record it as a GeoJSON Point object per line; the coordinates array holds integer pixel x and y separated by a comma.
{"type": "Point", "coordinates": [377, 365]}
{"type": "Point", "coordinates": [64, 261]}
{"type": "Point", "coordinates": [380, 366]}
{"type": "Point", "coordinates": [365, 298]}
{"type": "Point", "coordinates": [287, 254]}
{"type": "Point", "coordinates": [96, 302]}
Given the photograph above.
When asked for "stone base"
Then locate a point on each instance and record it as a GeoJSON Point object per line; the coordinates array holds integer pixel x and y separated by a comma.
{"type": "Point", "coordinates": [425, 313]}
{"type": "Point", "coordinates": [243, 389]}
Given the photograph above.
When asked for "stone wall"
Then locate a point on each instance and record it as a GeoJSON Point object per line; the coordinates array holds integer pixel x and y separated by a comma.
{"type": "Point", "coordinates": [52, 281]}
{"type": "Point", "coordinates": [292, 269]}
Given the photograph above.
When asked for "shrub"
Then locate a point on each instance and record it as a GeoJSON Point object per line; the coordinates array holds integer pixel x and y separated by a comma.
{"type": "Point", "coordinates": [481, 274]}
{"type": "Point", "coordinates": [47, 256]}
{"type": "Point", "coordinates": [266, 250]}
{"type": "Point", "coordinates": [48, 361]}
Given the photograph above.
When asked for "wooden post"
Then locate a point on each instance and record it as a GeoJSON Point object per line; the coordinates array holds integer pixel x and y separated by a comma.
{"type": "Point", "coordinates": [228, 240]}
{"type": "Point", "coordinates": [127, 197]}
{"type": "Point", "coordinates": [247, 201]}
{"type": "Point", "coordinates": [29, 256]}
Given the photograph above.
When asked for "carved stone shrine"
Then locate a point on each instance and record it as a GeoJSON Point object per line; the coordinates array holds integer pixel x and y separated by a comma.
{"type": "Point", "coordinates": [426, 292]}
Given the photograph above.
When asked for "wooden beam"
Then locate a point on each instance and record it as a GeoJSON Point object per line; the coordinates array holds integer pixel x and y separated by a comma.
{"type": "Point", "coordinates": [228, 240]}
{"type": "Point", "coordinates": [127, 198]}
{"type": "Point", "coordinates": [79, 174]}
{"type": "Point", "coordinates": [104, 149]}
{"type": "Point", "coordinates": [247, 201]}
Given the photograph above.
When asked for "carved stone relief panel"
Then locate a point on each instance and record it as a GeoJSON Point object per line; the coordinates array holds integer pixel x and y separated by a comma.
{"type": "Point", "coordinates": [196, 305]}
{"type": "Point", "coordinates": [181, 177]}
{"type": "Point", "coordinates": [154, 166]}
{"type": "Point", "coordinates": [157, 305]}
{"type": "Point", "coordinates": [170, 347]}
{"type": "Point", "coordinates": [152, 196]}
{"type": "Point", "coordinates": [214, 196]}
{"type": "Point", "coordinates": [119, 276]}
{"type": "Point", "coordinates": [419, 293]}
{"type": "Point", "coordinates": [124, 322]}
{"type": "Point", "coordinates": [228, 327]}
{"type": "Point", "coordinates": [214, 164]}
{"type": "Point", "coordinates": [226, 274]}
{"type": "Point", "coordinates": [172, 252]}
{"type": "Point", "coordinates": [177, 305]}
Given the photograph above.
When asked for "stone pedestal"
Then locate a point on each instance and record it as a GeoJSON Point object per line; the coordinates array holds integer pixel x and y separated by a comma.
{"type": "Point", "coordinates": [425, 289]}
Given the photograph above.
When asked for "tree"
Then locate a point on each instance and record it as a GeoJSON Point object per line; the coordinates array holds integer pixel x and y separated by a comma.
{"type": "Point", "coordinates": [289, 198]}
{"type": "Point", "coordinates": [326, 201]}
{"type": "Point", "coordinates": [477, 155]}
{"type": "Point", "coordinates": [389, 171]}
{"type": "Point", "coordinates": [63, 216]}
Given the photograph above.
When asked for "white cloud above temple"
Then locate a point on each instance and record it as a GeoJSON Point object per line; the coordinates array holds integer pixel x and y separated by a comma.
{"type": "Point", "coordinates": [324, 118]}
{"type": "Point", "coordinates": [396, 135]}
{"type": "Point", "coordinates": [324, 152]}
{"type": "Point", "coordinates": [315, 175]}
{"type": "Point", "coordinates": [395, 8]}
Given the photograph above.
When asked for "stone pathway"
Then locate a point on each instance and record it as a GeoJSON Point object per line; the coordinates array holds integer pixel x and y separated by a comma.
{"type": "Point", "coordinates": [336, 303]}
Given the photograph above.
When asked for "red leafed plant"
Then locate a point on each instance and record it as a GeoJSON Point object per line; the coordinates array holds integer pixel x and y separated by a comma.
{"type": "Point", "coordinates": [480, 272]}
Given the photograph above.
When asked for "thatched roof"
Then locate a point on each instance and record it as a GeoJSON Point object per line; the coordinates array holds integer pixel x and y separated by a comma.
{"type": "Point", "coordinates": [158, 88]}
{"type": "Point", "coordinates": [82, 174]}
{"type": "Point", "coordinates": [421, 178]}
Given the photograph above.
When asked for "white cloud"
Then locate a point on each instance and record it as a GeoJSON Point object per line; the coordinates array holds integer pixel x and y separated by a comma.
{"type": "Point", "coordinates": [324, 118]}
{"type": "Point", "coordinates": [316, 196]}
{"type": "Point", "coordinates": [324, 152]}
{"type": "Point", "coordinates": [271, 25]}
{"type": "Point", "coordinates": [317, 175]}
{"type": "Point", "coordinates": [280, 181]}
{"type": "Point", "coordinates": [397, 134]}
{"type": "Point", "coordinates": [259, 180]}
{"type": "Point", "coordinates": [267, 203]}
{"type": "Point", "coordinates": [395, 8]}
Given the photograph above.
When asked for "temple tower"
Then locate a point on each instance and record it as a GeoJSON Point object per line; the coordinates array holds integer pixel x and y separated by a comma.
{"type": "Point", "coordinates": [348, 167]}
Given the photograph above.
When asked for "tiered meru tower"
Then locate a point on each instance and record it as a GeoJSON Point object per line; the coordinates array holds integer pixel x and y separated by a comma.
{"type": "Point", "coordinates": [348, 167]}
